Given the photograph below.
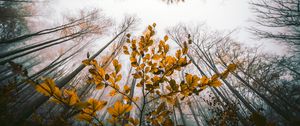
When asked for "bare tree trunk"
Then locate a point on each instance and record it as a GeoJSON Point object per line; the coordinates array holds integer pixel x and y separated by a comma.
{"type": "Point", "coordinates": [180, 112]}
{"type": "Point", "coordinates": [29, 108]}
{"type": "Point", "coordinates": [194, 113]}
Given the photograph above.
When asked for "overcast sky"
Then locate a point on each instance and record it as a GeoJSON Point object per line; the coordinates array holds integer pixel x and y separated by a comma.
{"type": "Point", "coordinates": [218, 14]}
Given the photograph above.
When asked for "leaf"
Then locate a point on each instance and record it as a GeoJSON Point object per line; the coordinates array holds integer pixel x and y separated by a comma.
{"type": "Point", "coordinates": [156, 57]}
{"type": "Point", "coordinates": [155, 79]}
{"type": "Point", "coordinates": [128, 35]}
{"type": "Point", "coordinates": [150, 28]}
{"type": "Point", "coordinates": [185, 48]}
{"type": "Point", "coordinates": [204, 80]}
{"type": "Point", "coordinates": [166, 38]}
{"type": "Point", "coordinates": [134, 64]}
{"type": "Point", "coordinates": [189, 78]}
{"type": "Point", "coordinates": [154, 24]}
{"type": "Point", "coordinates": [72, 96]}
{"type": "Point", "coordinates": [147, 69]}
{"type": "Point", "coordinates": [52, 99]}
{"type": "Point", "coordinates": [112, 92]}
{"type": "Point", "coordinates": [173, 85]}
{"type": "Point", "coordinates": [126, 88]}
{"type": "Point", "coordinates": [82, 105]}
{"type": "Point", "coordinates": [182, 62]}
{"type": "Point", "coordinates": [117, 65]}
{"type": "Point", "coordinates": [137, 75]}
{"type": "Point", "coordinates": [125, 50]}
{"type": "Point", "coordinates": [47, 88]}
{"type": "Point", "coordinates": [119, 77]}
{"type": "Point", "coordinates": [214, 77]}
{"type": "Point", "coordinates": [107, 77]}
{"type": "Point", "coordinates": [215, 83]}
{"type": "Point", "coordinates": [231, 67]}
{"type": "Point", "coordinates": [178, 54]}
{"type": "Point", "coordinates": [86, 62]}
{"type": "Point", "coordinates": [225, 74]}
{"type": "Point", "coordinates": [43, 89]}
{"type": "Point", "coordinates": [139, 85]}
{"type": "Point", "coordinates": [133, 59]}
{"type": "Point", "coordinates": [166, 48]}
{"type": "Point", "coordinates": [101, 72]}
{"type": "Point", "coordinates": [99, 86]}
{"type": "Point", "coordinates": [134, 121]}
{"type": "Point", "coordinates": [170, 100]}
{"type": "Point", "coordinates": [97, 105]}
{"type": "Point", "coordinates": [119, 109]}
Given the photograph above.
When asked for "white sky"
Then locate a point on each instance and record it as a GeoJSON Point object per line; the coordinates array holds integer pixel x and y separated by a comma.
{"type": "Point", "coordinates": [218, 14]}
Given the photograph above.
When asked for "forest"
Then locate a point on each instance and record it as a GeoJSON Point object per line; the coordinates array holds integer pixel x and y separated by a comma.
{"type": "Point", "coordinates": [149, 63]}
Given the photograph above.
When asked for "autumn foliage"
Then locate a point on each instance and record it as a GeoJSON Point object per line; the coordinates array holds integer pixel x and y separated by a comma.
{"type": "Point", "coordinates": [154, 70]}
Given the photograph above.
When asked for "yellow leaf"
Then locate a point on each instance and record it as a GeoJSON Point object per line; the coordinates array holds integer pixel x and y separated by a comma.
{"type": "Point", "coordinates": [115, 62]}
{"type": "Point", "coordinates": [147, 69]}
{"type": "Point", "coordinates": [125, 50]}
{"type": "Point", "coordinates": [154, 24]}
{"type": "Point", "coordinates": [81, 105]}
{"type": "Point", "coordinates": [137, 75]}
{"type": "Point", "coordinates": [134, 64]}
{"type": "Point", "coordinates": [214, 77]}
{"type": "Point", "coordinates": [185, 48]}
{"type": "Point", "coordinates": [112, 92]}
{"type": "Point", "coordinates": [225, 74]}
{"type": "Point", "coordinates": [139, 85]}
{"type": "Point", "coordinates": [101, 72]}
{"type": "Point", "coordinates": [178, 54]}
{"type": "Point", "coordinates": [231, 67]}
{"type": "Point", "coordinates": [156, 57]}
{"type": "Point", "coordinates": [215, 83]}
{"type": "Point", "coordinates": [204, 80]}
{"type": "Point", "coordinates": [107, 77]}
{"type": "Point", "coordinates": [99, 86]}
{"type": "Point", "coordinates": [119, 77]}
{"type": "Point", "coordinates": [93, 62]}
{"type": "Point", "coordinates": [43, 89]}
{"type": "Point", "coordinates": [166, 48]}
{"type": "Point", "coordinates": [47, 88]}
{"type": "Point", "coordinates": [155, 79]}
{"type": "Point", "coordinates": [128, 35]}
{"type": "Point", "coordinates": [149, 28]}
{"type": "Point", "coordinates": [189, 78]}
{"type": "Point", "coordinates": [84, 117]}
{"type": "Point", "coordinates": [73, 98]}
{"type": "Point", "coordinates": [119, 109]}
{"type": "Point", "coordinates": [116, 65]}
{"type": "Point", "coordinates": [135, 99]}
{"type": "Point", "coordinates": [182, 61]}
{"type": "Point", "coordinates": [96, 105]}
{"type": "Point", "coordinates": [132, 59]}
{"type": "Point", "coordinates": [52, 99]}
{"type": "Point", "coordinates": [126, 88]}
{"type": "Point", "coordinates": [166, 38]}
{"type": "Point", "coordinates": [86, 62]}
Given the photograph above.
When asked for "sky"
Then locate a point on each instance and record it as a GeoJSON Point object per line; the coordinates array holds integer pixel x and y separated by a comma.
{"type": "Point", "coordinates": [223, 15]}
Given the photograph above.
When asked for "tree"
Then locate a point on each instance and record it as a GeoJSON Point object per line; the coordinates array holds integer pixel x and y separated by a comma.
{"type": "Point", "coordinates": [39, 100]}
{"type": "Point", "coordinates": [153, 74]}
{"type": "Point", "coordinates": [279, 20]}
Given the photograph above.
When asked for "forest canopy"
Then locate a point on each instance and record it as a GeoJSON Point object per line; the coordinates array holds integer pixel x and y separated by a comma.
{"type": "Point", "coordinates": [84, 66]}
